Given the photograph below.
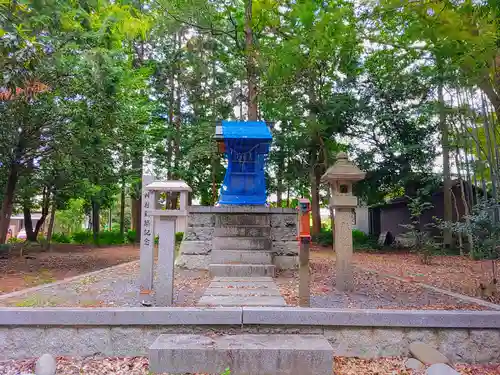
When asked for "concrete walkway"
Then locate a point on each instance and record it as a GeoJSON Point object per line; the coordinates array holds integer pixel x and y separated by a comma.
{"type": "Point", "coordinates": [242, 291]}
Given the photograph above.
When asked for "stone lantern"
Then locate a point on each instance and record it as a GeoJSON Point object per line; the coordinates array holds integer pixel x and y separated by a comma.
{"type": "Point", "coordinates": [340, 178]}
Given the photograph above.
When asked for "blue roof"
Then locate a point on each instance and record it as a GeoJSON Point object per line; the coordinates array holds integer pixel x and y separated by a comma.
{"type": "Point", "coordinates": [246, 129]}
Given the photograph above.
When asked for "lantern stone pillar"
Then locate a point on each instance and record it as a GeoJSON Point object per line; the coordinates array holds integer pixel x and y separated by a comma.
{"type": "Point", "coordinates": [340, 178]}
{"type": "Point", "coordinates": [163, 222]}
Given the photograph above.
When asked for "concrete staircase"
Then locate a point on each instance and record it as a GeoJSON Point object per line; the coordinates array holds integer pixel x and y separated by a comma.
{"type": "Point", "coordinates": [247, 354]}
{"type": "Point", "coordinates": [242, 247]}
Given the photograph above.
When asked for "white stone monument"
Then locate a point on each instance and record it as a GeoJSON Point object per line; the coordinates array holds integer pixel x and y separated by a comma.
{"type": "Point", "coordinates": [340, 177]}
{"type": "Point", "coordinates": [156, 219]}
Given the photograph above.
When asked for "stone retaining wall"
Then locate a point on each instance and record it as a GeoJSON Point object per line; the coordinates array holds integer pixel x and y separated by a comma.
{"type": "Point", "coordinates": [196, 246]}
{"type": "Point", "coordinates": [472, 337]}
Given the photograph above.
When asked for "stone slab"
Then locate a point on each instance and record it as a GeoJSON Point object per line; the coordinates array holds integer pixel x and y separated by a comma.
{"type": "Point", "coordinates": [118, 316]}
{"type": "Point", "coordinates": [241, 292]}
{"type": "Point", "coordinates": [232, 270]}
{"type": "Point", "coordinates": [241, 209]}
{"type": "Point", "coordinates": [193, 261]}
{"type": "Point", "coordinates": [195, 247]}
{"type": "Point", "coordinates": [242, 285]}
{"type": "Point", "coordinates": [241, 243]}
{"type": "Point", "coordinates": [285, 247]}
{"type": "Point", "coordinates": [286, 262]}
{"type": "Point", "coordinates": [372, 318]}
{"type": "Point", "coordinates": [223, 220]}
{"type": "Point", "coordinates": [427, 354]}
{"type": "Point", "coordinates": [241, 300]}
{"type": "Point", "coordinates": [241, 256]}
{"type": "Point", "coordinates": [243, 354]}
{"type": "Point", "coordinates": [243, 279]}
{"type": "Point", "coordinates": [242, 231]}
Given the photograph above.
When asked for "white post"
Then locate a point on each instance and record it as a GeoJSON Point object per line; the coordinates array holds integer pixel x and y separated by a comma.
{"type": "Point", "coordinates": [166, 256]}
{"type": "Point", "coordinates": [147, 242]}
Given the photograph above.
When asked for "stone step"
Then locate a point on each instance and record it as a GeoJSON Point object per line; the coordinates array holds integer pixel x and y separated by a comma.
{"type": "Point", "coordinates": [243, 231]}
{"type": "Point", "coordinates": [242, 243]}
{"type": "Point", "coordinates": [274, 354]}
{"type": "Point", "coordinates": [223, 220]}
{"type": "Point", "coordinates": [241, 256]}
{"type": "Point", "coordinates": [243, 270]}
{"type": "Point", "coordinates": [241, 300]}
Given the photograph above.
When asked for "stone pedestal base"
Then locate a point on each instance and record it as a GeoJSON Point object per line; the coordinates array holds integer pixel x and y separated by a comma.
{"type": "Point", "coordinates": [228, 230]}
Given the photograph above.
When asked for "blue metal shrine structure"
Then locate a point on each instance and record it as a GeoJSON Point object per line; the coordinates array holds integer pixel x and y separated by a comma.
{"type": "Point", "coordinates": [245, 145]}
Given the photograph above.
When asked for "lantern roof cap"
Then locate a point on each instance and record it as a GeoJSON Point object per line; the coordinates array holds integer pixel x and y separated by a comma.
{"type": "Point", "coordinates": [172, 185]}
{"type": "Point", "coordinates": [343, 169]}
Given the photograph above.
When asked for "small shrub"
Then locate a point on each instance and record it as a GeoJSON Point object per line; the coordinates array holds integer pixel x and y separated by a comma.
{"type": "Point", "coordinates": [324, 237]}
{"type": "Point", "coordinates": [179, 236]}
{"type": "Point", "coordinates": [359, 237]}
{"type": "Point", "coordinates": [131, 236]}
{"type": "Point", "coordinates": [60, 238]}
{"type": "Point", "coordinates": [5, 248]}
{"type": "Point", "coordinates": [14, 240]}
{"type": "Point", "coordinates": [111, 238]}
{"type": "Point", "coordinates": [82, 238]}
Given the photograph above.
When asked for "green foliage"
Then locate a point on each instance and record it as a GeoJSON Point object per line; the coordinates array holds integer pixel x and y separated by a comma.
{"type": "Point", "coordinates": [14, 240]}
{"type": "Point", "coordinates": [82, 237]}
{"type": "Point", "coordinates": [179, 236]}
{"type": "Point", "coordinates": [418, 235]}
{"type": "Point", "coordinates": [131, 236]}
{"type": "Point", "coordinates": [484, 229]}
{"type": "Point", "coordinates": [61, 238]}
{"type": "Point", "coordinates": [359, 239]}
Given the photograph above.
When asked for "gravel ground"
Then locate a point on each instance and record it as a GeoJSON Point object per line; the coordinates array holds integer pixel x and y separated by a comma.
{"type": "Point", "coordinates": [140, 366]}
{"type": "Point", "coordinates": [371, 291]}
{"type": "Point", "coordinates": [115, 286]}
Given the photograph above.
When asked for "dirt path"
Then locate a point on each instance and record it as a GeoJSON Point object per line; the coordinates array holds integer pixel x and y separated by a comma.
{"type": "Point", "coordinates": [66, 261]}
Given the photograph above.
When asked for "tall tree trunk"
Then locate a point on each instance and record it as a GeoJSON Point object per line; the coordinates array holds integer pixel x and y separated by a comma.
{"type": "Point", "coordinates": [448, 213]}
{"type": "Point", "coordinates": [315, 208]}
{"type": "Point", "coordinates": [8, 199]}
{"type": "Point", "coordinates": [50, 229]}
{"type": "Point", "coordinates": [28, 223]}
{"type": "Point", "coordinates": [250, 64]}
{"type": "Point", "coordinates": [95, 221]}
{"type": "Point", "coordinates": [122, 208]}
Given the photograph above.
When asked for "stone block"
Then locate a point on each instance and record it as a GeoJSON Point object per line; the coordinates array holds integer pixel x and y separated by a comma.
{"type": "Point", "coordinates": [26, 343]}
{"type": "Point", "coordinates": [428, 336]}
{"type": "Point", "coordinates": [485, 346]}
{"type": "Point", "coordinates": [284, 234]}
{"type": "Point", "coordinates": [286, 262]}
{"type": "Point", "coordinates": [93, 340]}
{"type": "Point", "coordinates": [414, 364]}
{"type": "Point", "coordinates": [242, 231]}
{"type": "Point", "coordinates": [193, 262]}
{"type": "Point", "coordinates": [197, 219]}
{"type": "Point", "coordinates": [195, 247]}
{"type": "Point", "coordinates": [285, 247]}
{"type": "Point", "coordinates": [455, 345]}
{"type": "Point", "coordinates": [244, 270]}
{"type": "Point", "coordinates": [128, 341]}
{"type": "Point", "coordinates": [243, 354]}
{"type": "Point", "coordinates": [239, 300]}
{"type": "Point", "coordinates": [217, 291]}
{"type": "Point", "coordinates": [284, 220]}
{"type": "Point", "coordinates": [367, 343]}
{"type": "Point", "coordinates": [223, 220]}
{"type": "Point", "coordinates": [198, 234]}
{"type": "Point", "coordinates": [4, 343]}
{"type": "Point", "coordinates": [60, 341]}
{"type": "Point", "coordinates": [241, 243]}
{"type": "Point", "coordinates": [241, 256]}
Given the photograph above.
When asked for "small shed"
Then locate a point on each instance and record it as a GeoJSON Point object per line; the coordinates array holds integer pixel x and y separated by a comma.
{"type": "Point", "coordinates": [388, 217]}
